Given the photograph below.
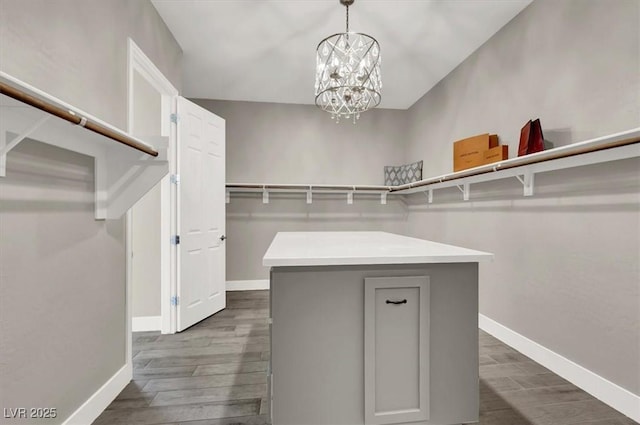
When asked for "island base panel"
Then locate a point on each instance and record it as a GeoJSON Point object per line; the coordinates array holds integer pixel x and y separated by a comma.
{"type": "Point", "coordinates": [318, 350]}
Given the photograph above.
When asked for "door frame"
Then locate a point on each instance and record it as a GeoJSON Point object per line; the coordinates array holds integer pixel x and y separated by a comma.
{"type": "Point", "coordinates": [138, 62]}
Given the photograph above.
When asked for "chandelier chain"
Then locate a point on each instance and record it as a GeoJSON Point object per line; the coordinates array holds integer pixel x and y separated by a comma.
{"type": "Point", "coordinates": [347, 18]}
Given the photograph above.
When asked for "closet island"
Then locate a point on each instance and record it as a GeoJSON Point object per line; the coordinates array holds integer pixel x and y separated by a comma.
{"type": "Point", "coordinates": [372, 328]}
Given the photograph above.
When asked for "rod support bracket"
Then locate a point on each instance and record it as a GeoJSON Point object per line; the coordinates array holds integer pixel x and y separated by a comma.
{"type": "Point", "coordinates": [527, 181]}
{"type": "Point", "coordinates": [465, 189]}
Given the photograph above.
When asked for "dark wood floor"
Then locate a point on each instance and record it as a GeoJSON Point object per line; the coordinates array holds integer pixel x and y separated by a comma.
{"type": "Point", "coordinates": [215, 374]}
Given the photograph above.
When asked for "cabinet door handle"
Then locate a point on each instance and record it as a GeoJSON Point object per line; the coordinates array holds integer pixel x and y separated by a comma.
{"type": "Point", "coordinates": [397, 302]}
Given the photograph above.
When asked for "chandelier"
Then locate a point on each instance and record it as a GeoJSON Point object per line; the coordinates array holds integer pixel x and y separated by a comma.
{"type": "Point", "coordinates": [348, 73]}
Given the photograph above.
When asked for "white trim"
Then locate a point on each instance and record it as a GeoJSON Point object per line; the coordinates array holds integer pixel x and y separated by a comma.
{"type": "Point", "coordinates": [128, 288]}
{"type": "Point", "coordinates": [606, 391]}
{"type": "Point", "coordinates": [146, 323]}
{"type": "Point", "coordinates": [148, 69]}
{"type": "Point", "coordinates": [247, 285]}
{"type": "Point", "coordinates": [95, 405]}
{"type": "Point", "coordinates": [137, 61]}
{"type": "Point", "coordinates": [165, 255]}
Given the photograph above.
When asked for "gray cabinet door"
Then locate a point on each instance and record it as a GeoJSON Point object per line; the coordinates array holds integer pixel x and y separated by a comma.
{"type": "Point", "coordinates": [396, 349]}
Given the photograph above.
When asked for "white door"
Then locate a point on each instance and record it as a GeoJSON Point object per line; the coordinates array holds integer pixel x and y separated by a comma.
{"type": "Point", "coordinates": [201, 214]}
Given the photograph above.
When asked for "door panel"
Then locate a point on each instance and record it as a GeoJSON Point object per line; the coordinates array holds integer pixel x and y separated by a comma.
{"type": "Point", "coordinates": [396, 334]}
{"type": "Point", "coordinates": [201, 214]}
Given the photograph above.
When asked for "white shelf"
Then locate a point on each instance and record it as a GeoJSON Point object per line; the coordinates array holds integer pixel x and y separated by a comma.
{"type": "Point", "coordinates": [308, 189]}
{"type": "Point", "coordinates": [613, 147]}
{"type": "Point", "coordinates": [609, 148]}
{"type": "Point", "coordinates": [122, 174]}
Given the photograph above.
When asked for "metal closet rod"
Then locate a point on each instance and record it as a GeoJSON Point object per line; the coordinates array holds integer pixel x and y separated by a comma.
{"type": "Point", "coordinates": [303, 187]}
{"type": "Point", "coordinates": [67, 115]}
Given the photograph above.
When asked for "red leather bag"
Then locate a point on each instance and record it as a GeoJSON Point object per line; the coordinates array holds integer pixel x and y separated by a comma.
{"type": "Point", "coordinates": [531, 138]}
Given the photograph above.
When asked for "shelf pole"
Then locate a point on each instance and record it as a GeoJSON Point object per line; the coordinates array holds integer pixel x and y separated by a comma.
{"type": "Point", "coordinates": [465, 189]}
{"type": "Point", "coordinates": [70, 116]}
{"type": "Point", "coordinates": [528, 183]}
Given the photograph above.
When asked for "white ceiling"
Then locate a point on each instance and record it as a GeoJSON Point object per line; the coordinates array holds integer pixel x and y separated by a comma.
{"type": "Point", "coordinates": [264, 50]}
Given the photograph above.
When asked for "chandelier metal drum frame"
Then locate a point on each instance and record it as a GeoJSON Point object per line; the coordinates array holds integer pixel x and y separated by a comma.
{"type": "Point", "coordinates": [348, 79]}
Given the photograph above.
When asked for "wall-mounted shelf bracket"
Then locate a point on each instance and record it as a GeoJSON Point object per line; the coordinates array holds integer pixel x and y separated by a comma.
{"type": "Point", "coordinates": [383, 198]}
{"type": "Point", "coordinates": [6, 146]}
{"type": "Point", "coordinates": [227, 197]}
{"type": "Point", "coordinates": [527, 182]}
{"type": "Point", "coordinates": [265, 195]}
{"type": "Point", "coordinates": [350, 197]}
{"type": "Point", "coordinates": [465, 189]}
{"type": "Point", "coordinates": [429, 195]}
{"type": "Point", "coordinates": [309, 196]}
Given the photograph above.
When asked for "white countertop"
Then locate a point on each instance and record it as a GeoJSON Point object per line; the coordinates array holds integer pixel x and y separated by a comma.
{"type": "Point", "coordinates": [351, 248]}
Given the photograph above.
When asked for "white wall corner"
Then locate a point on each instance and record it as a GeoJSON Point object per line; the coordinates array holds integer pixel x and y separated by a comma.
{"type": "Point", "coordinates": [98, 402]}
{"type": "Point", "coordinates": [247, 285]}
{"type": "Point", "coordinates": [146, 323]}
{"type": "Point", "coordinates": [606, 391]}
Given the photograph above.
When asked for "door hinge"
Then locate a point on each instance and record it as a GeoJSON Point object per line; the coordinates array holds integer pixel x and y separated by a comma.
{"type": "Point", "coordinates": [175, 240]}
{"type": "Point", "coordinates": [175, 178]}
{"type": "Point", "coordinates": [174, 118]}
{"type": "Point", "coordinates": [175, 300]}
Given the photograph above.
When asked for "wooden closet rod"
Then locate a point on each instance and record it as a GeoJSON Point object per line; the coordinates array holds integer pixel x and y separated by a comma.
{"type": "Point", "coordinates": [67, 115]}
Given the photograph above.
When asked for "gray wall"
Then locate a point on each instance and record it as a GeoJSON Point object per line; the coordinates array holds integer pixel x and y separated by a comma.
{"type": "Point", "coordinates": [62, 274]}
{"type": "Point", "coordinates": [278, 143]}
{"type": "Point", "coordinates": [566, 269]}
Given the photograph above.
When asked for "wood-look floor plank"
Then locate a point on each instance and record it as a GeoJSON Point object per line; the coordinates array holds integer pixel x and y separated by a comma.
{"type": "Point", "coordinates": [160, 344]}
{"type": "Point", "coordinates": [245, 420]}
{"type": "Point", "coordinates": [574, 413]}
{"type": "Point", "coordinates": [143, 401]}
{"type": "Point", "coordinates": [202, 351]}
{"type": "Point", "coordinates": [231, 368]}
{"type": "Point", "coordinates": [615, 421]}
{"type": "Point", "coordinates": [211, 381]}
{"type": "Point", "coordinates": [498, 385]}
{"type": "Point", "coordinates": [537, 381]}
{"type": "Point", "coordinates": [186, 412]}
{"type": "Point", "coordinates": [208, 395]}
{"type": "Point", "coordinates": [183, 360]}
{"type": "Point", "coordinates": [132, 390]}
{"type": "Point", "coordinates": [250, 303]}
{"type": "Point", "coordinates": [164, 372]}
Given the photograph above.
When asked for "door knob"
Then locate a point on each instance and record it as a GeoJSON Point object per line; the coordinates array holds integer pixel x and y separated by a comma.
{"type": "Point", "coordinates": [223, 237]}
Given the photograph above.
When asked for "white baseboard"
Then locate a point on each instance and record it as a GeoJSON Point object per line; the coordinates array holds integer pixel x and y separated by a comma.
{"type": "Point", "coordinates": [146, 323]}
{"type": "Point", "coordinates": [606, 391]}
{"type": "Point", "coordinates": [95, 405]}
{"type": "Point", "coordinates": [247, 285]}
